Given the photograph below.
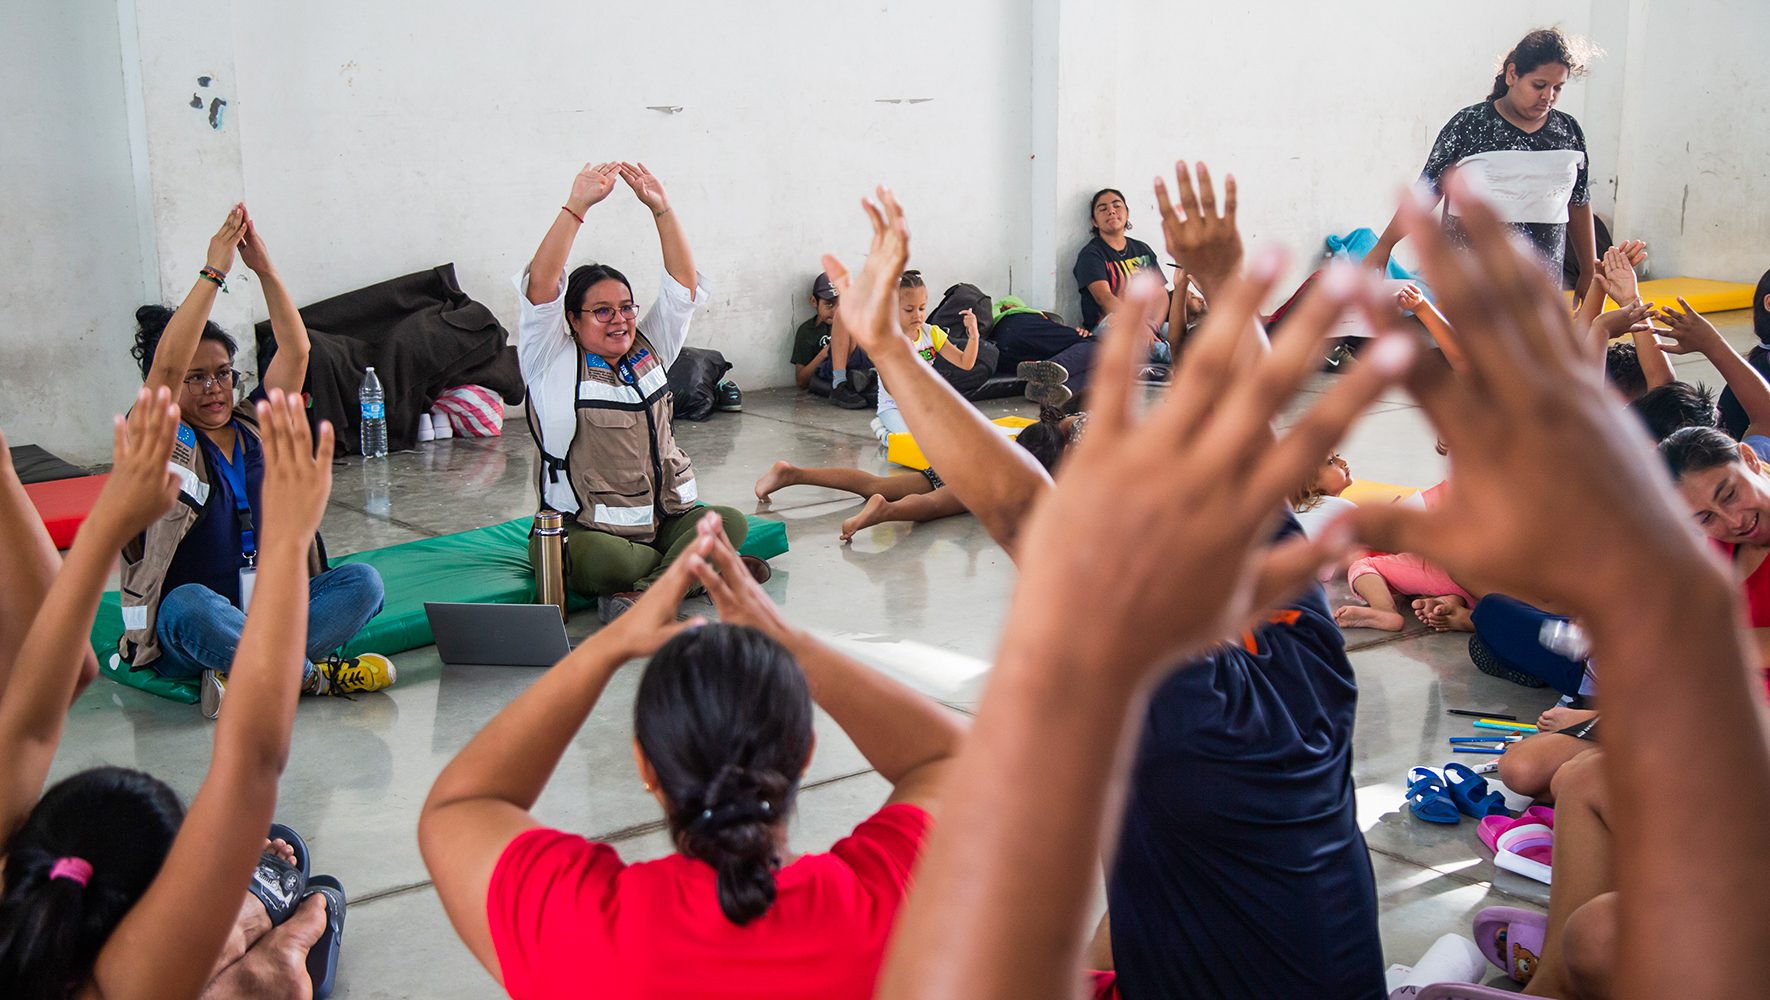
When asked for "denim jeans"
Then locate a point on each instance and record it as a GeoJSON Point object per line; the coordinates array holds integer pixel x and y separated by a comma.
{"type": "Point", "coordinates": [200, 630]}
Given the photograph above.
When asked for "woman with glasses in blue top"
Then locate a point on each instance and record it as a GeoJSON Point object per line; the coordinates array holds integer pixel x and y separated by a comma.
{"type": "Point", "coordinates": [187, 580]}
{"type": "Point", "coordinates": [599, 403]}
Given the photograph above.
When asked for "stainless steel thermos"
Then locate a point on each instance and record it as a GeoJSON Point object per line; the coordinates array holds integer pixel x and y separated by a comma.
{"type": "Point", "coordinates": [550, 559]}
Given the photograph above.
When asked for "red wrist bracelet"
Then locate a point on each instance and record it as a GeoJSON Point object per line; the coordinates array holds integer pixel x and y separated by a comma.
{"type": "Point", "coordinates": [573, 214]}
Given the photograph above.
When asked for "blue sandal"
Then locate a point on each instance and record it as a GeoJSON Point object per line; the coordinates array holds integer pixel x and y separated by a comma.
{"type": "Point", "coordinates": [322, 958]}
{"type": "Point", "coordinates": [1470, 793]}
{"type": "Point", "coordinates": [1428, 798]}
{"type": "Point", "coordinates": [279, 885]}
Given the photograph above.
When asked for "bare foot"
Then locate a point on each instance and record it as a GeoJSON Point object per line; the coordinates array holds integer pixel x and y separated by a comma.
{"type": "Point", "coordinates": [281, 849]}
{"type": "Point", "coordinates": [1449, 613]}
{"type": "Point", "coordinates": [1359, 616]}
{"type": "Point", "coordinates": [1561, 717]}
{"type": "Point", "coordinates": [871, 514]}
{"type": "Point", "coordinates": [276, 966]}
{"type": "Point", "coordinates": [774, 479]}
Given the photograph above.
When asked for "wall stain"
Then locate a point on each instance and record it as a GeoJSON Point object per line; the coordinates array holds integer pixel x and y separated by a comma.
{"type": "Point", "coordinates": [196, 102]}
{"type": "Point", "coordinates": [204, 81]}
{"type": "Point", "coordinates": [216, 108]}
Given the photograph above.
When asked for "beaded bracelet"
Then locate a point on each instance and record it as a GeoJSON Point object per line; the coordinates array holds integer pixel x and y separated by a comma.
{"type": "Point", "coordinates": [216, 275]}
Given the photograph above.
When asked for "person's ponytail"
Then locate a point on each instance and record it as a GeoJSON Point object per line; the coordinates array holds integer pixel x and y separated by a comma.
{"type": "Point", "coordinates": [84, 856]}
{"type": "Point", "coordinates": [723, 716]}
{"type": "Point", "coordinates": [734, 831]}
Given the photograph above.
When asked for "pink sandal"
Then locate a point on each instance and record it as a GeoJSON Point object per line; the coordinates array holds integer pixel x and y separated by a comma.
{"type": "Point", "coordinates": [1512, 939]}
{"type": "Point", "coordinates": [1528, 850]}
{"type": "Point", "coordinates": [1490, 827]}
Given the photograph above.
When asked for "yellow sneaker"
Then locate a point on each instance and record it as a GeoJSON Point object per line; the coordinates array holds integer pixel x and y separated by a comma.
{"type": "Point", "coordinates": [357, 674]}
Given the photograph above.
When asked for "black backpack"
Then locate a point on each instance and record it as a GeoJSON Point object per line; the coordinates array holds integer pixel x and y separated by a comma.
{"type": "Point", "coordinates": [958, 298]}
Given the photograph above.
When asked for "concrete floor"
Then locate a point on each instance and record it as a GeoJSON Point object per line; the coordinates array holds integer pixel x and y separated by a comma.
{"type": "Point", "coordinates": [922, 602]}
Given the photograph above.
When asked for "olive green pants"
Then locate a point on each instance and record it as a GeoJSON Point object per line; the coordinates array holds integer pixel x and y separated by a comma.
{"type": "Point", "coordinates": [599, 564]}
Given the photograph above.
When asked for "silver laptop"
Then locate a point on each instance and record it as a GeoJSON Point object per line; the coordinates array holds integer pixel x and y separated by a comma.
{"type": "Point", "coordinates": [502, 635]}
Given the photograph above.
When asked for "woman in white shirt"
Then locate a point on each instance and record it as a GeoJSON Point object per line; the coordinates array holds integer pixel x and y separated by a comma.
{"type": "Point", "coordinates": [599, 403]}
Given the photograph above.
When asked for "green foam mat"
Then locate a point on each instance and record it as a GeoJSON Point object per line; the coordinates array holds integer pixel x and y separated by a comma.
{"type": "Point", "coordinates": [484, 566]}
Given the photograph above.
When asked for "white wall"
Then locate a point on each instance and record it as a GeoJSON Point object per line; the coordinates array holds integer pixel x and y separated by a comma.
{"type": "Point", "coordinates": [1697, 181]}
{"type": "Point", "coordinates": [373, 140]}
{"type": "Point", "coordinates": [377, 142]}
{"type": "Point", "coordinates": [1323, 112]}
{"type": "Point", "coordinates": [70, 263]}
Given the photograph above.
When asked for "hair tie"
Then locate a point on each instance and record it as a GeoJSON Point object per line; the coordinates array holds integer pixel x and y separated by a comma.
{"type": "Point", "coordinates": [73, 869]}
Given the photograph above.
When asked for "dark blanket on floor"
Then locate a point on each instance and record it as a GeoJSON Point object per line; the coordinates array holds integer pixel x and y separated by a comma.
{"type": "Point", "coordinates": [34, 465]}
{"type": "Point", "coordinates": [421, 333]}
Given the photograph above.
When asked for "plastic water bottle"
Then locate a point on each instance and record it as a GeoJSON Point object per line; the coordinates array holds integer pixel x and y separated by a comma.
{"type": "Point", "coordinates": [374, 425]}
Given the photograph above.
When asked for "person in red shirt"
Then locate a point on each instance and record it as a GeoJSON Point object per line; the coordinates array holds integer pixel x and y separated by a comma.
{"type": "Point", "coordinates": [723, 734]}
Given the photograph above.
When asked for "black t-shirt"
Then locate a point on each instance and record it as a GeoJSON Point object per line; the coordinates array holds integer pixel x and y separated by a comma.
{"type": "Point", "coordinates": [1531, 181]}
{"type": "Point", "coordinates": [1100, 262]}
{"type": "Point", "coordinates": [810, 338]}
{"type": "Point", "coordinates": [1241, 871]}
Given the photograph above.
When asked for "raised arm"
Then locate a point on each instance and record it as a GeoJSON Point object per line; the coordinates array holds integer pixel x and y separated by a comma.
{"type": "Point", "coordinates": [1001, 897]}
{"type": "Point", "coordinates": [1573, 476]}
{"type": "Point", "coordinates": [592, 184]}
{"type": "Point", "coordinates": [1410, 299]}
{"type": "Point", "coordinates": [178, 343]}
{"type": "Point", "coordinates": [481, 800]}
{"type": "Point", "coordinates": [967, 357]}
{"type": "Point", "coordinates": [907, 738]}
{"type": "Point", "coordinates": [994, 479]}
{"type": "Point", "coordinates": [1204, 242]}
{"type": "Point", "coordinates": [198, 888]}
{"type": "Point", "coordinates": [678, 260]}
{"type": "Point", "coordinates": [288, 369]}
{"type": "Point", "coordinates": [29, 564]}
{"type": "Point", "coordinates": [34, 706]}
{"type": "Point", "coordinates": [1690, 333]}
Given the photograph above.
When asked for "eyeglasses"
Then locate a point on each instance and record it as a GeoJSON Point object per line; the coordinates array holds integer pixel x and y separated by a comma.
{"type": "Point", "coordinates": [223, 377]}
{"type": "Point", "coordinates": [606, 314]}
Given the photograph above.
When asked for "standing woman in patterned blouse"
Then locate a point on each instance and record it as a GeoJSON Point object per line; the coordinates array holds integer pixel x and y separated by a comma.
{"type": "Point", "coordinates": [1529, 158]}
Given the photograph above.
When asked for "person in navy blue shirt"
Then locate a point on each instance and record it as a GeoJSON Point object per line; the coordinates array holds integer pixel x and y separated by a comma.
{"type": "Point", "coordinates": [1241, 870]}
{"type": "Point", "coordinates": [204, 583]}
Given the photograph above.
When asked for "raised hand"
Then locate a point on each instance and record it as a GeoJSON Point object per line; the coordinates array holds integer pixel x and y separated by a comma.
{"type": "Point", "coordinates": [142, 487]}
{"type": "Point", "coordinates": [251, 246]}
{"type": "Point", "coordinates": [737, 595]}
{"type": "Point", "coordinates": [1200, 480]}
{"type": "Point", "coordinates": [1688, 332]}
{"type": "Point", "coordinates": [297, 470]}
{"type": "Point", "coordinates": [226, 239]}
{"type": "Point", "coordinates": [869, 298]}
{"type": "Point", "coordinates": [1634, 250]}
{"type": "Point", "coordinates": [970, 322]}
{"type": "Point", "coordinates": [644, 628]}
{"type": "Point", "coordinates": [1616, 322]}
{"type": "Point", "coordinates": [1409, 298]}
{"type": "Point", "coordinates": [592, 184]}
{"type": "Point", "coordinates": [1618, 277]}
{"type": "Point", "coordinates": [1200, 239]}
{"type": "Point", "coordinates": [1532, 435]}
{"type": "Point", "coordinates": [648, 189]}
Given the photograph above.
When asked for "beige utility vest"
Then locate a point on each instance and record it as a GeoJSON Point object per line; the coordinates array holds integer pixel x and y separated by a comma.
{"type": "Point", "coordinates": [149, 554]}
{"type": "Point", "coordinates": [622, 465]}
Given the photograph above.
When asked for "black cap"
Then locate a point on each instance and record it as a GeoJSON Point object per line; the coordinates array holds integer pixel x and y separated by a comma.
{"type": "Point", "coordinates": [822, 288]}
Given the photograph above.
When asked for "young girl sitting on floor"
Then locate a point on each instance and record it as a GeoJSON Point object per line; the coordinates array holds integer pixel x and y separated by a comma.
{"type": "Point", "coordinates": [916, 496]}
{"type": "Point", "coordinates": [912, 313]}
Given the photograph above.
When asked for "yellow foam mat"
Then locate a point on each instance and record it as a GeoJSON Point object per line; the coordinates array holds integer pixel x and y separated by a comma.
{"type": "Point", "coordinates": [1365, 491]}
{"type": "Point", "coordinates": [901, 449]}
{"type": "Point", "coordinates": [1703, 294]}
